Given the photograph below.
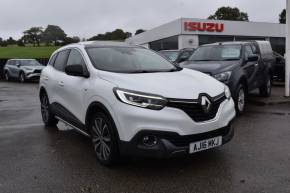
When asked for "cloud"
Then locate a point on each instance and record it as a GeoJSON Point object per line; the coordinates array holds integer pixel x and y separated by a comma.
{"type": "Point", "coordinates": [89, 17]}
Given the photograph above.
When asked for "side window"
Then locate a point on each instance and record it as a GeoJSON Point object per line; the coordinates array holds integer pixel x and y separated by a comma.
{"type": "Point", "coordinates": [61, 60]}
{"type": "Point", "coordinates": [248, 51]}
{"type": "Point", "coordinates": [75, 57]}
{"type": "Point", "coordinates": [52, 60]}
{"type": "Point", "coordinates": [255, 49]}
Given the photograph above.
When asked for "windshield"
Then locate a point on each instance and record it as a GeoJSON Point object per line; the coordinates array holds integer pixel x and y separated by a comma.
{"type": "Point", "coordinates": [128, 60]}
{"type": "Point", "coordinates": [217, 53]}
{"type": "Point", "coordinates": [171, 55]}
{"type": "Point", "coordinates": [30, 63]}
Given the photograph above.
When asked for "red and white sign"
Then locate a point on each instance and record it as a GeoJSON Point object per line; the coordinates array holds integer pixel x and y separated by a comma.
{"type": "Point", "coordinates": [202, 26]}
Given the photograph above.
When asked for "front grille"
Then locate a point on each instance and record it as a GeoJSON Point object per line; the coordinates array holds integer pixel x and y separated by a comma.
{"type": "Point", "coordinates": [194, 109]}
{"type": "Point", "coordinates": [37, 71]}
{"type": "Point", "coordinates": [182, 141]}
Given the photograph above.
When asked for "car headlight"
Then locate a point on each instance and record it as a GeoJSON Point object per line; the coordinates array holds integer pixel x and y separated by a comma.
{"type": "Point", "coordinates": [227, 92]}
{"type": "Point", "coordinates": [27, 69]}
{"type": "Point", "coordinates": [144, 100]}
{"type": "Point", "coordinates": [223, 77]}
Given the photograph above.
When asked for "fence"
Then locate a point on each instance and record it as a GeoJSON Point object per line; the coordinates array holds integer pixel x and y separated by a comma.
{"type": "Point", "coordinates": [3, 61]}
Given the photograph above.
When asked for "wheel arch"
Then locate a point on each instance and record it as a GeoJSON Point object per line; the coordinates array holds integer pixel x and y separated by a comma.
{"type": "Point", "coordinates": [99, 107]}
{"type": "Point", "coordinates": [244, 82]}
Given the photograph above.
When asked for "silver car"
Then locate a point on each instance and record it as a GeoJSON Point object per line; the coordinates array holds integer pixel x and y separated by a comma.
{"type": "Point", "coordinates": [22, 69]}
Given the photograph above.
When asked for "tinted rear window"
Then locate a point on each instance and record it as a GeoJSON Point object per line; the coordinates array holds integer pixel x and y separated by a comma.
{"type": "Point", "coordinates": [61, 59]}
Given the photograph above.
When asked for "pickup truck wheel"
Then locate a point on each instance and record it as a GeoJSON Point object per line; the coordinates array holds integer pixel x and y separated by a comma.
{"type": "Point", "coordinates": [240, 99]}
{"type": "Point", "coordinates": [48, 118]}
{"type": "Point", "coordinates": [7, 76]}
{"type": "Point", "coordinates": [266, 89]}
{"type": "Point", "coordinates": [103, 138]}
{"type": "Point", "coordinates": [22, 77]}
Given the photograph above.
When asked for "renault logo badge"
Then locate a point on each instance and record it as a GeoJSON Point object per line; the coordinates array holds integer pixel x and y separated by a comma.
{"type": "Point", "coordinates": [205, 104]}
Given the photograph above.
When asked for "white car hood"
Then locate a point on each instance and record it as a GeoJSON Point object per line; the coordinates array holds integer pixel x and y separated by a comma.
{"type": "Point", "coordinates": [184, 84]}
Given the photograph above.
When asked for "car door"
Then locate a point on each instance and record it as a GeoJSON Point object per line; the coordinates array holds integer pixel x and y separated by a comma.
{"type": "Point", "coordinates": [75, 87]}
{"type": "Point", "coordinates": [56, 78]}
{"type": "Point", "coordinates": [250, 68]}
{"type": "Point", "coordinates": [12, 68]}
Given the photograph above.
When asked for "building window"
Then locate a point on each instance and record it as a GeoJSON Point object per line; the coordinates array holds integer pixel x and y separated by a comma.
{"type": "Point", "coordinates": [170, 43]}
{"type": "Point", "coordinates": [209, 39]}
{"type": "Point", "coordinates": [278, 45]}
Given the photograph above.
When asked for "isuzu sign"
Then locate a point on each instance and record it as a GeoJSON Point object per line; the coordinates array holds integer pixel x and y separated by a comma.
{"type": "Point", "coordinates": [202, 26]}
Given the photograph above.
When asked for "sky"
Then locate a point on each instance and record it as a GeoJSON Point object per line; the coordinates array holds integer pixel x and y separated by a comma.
{"type": "Point", "coordinates": [86, 18]}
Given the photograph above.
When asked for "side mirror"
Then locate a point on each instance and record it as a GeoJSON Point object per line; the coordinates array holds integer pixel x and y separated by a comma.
{"type": "Point", "coordinates": [76, 70]}
{"type": "Point", "coordinates": [18, 65]}
{"type": "Point", "coordinates": [253, 58]}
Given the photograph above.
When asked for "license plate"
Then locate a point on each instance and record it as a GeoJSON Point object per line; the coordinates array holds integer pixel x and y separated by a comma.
{"type": "Point", "coordinates": [205, 144]}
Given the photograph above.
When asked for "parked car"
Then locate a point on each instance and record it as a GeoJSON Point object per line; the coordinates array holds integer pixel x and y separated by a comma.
{"type": "Point", "coordinates": [279, 67]}
{"type": "Point", "coordinates": [177, 56]}
{"type": "Point", "coordinates": [132, 101]}
{"type": "Point", "coordinates": [243, 66]}
{"type": "Point", "coordinates": [22, 69]}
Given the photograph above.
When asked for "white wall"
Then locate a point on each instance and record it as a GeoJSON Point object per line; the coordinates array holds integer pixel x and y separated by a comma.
{"type": "Point", "coordinates": [167, 30]}
{"type": "Point", "coordinates": [188, 41]}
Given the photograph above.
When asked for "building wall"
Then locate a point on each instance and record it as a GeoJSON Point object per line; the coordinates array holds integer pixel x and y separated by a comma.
{"type": "Point", "coordinates": [187, 41]}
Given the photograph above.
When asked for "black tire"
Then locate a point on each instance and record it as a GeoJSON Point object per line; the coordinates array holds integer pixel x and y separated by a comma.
{"type": "Point", "coordinates": [104, 138]}
{"type": "Point", "coordinates": [240, 97]}
{"type": "Point", "coordinates": [48, 117]}
{"type": "Point", "coordinates": [266, 89]}
{"type": "Point", "coordinates": [22, 77]}
{"type": "Point", "coordinates": [7, 76]}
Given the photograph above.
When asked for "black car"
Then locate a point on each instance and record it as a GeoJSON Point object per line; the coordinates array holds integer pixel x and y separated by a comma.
{"type": "Point", "coordinates": [243, 66]}
{"type": "Point", "coordinates": [177, 56]}
{"type": "Point", "coordinates": [279, 67]}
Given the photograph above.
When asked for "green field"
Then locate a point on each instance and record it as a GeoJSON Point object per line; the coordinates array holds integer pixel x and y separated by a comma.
{"type": "Point", "coordinates": [26, 52]}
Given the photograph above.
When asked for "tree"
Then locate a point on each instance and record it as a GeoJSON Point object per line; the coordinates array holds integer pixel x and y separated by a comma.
{"type": "Point", "coordinates": [117, 34]}
{"type": "Point", "coordinates": [71, 40]}
{"type": "Point", "coordinates": [229, 13]}
{"type": "Point", "coordinates": [11, 41]}
{"type": "Point", "coordinates": [282, 16]}
{"type": "Point", "coordinates": [53, 34]}
{"type": "Point", "coordinates": [33, 35]}
{"type": "Point", "coordinates": [139, 31]}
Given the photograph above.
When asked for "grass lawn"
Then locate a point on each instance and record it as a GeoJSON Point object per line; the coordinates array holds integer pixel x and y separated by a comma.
{"type": "Point", "coordinates": [26, 52]}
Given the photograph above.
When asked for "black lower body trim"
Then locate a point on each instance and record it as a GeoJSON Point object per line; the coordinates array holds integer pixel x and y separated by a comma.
{"type": "Point", "coordinates": [61, 112]}
{"type": "Point", "coordinates": [170, 144]}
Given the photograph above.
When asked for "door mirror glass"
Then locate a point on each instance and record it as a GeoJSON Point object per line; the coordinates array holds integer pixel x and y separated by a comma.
{"type": "Point", "coordinates": [76, 70]}
{"type": "Point", "coordinates": [253, 58]}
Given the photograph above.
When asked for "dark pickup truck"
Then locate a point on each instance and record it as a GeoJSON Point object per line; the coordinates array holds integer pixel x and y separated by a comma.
{"type": "Point", "coordinates": [243, 66]}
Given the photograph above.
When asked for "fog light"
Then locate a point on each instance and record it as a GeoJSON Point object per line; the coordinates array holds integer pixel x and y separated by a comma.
{"type": "Point", "coordinates": [149, 140]}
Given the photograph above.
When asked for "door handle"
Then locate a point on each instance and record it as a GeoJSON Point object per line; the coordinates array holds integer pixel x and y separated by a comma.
{"type": "Point", "coordinates": [256, 64]}
{"type": "Point", "coordinates": [60, 83]}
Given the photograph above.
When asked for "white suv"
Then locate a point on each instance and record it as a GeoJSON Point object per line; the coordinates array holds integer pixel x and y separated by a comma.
{"type": "Point", "coordinates": [132, 101]}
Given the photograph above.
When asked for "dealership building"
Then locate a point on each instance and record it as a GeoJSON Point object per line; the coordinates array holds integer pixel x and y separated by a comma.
{"type": "Point", "coordinates": [190, 33]}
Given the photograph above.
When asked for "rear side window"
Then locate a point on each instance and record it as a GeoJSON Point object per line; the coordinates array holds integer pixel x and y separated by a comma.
{"type": "Point", "coordinates": [61, 59]}
{"type": "Point", "coordinates": [75, 58]}
{"type": "Point", "coordinates": [248, 51]}
{"type": "Point", "coordinates": [11, 62]}
{"type": "Point", "coordinates": [52, 60]}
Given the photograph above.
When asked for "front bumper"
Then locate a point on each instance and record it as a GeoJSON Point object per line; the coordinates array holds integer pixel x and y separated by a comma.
{"type": "Point", "coordinates": [170, 144]}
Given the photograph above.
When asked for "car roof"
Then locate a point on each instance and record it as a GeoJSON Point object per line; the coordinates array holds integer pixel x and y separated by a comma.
{"type": "Point", "coordinates": [106, 43]}
{"type": "Point", "coordinates": [22, 59]}
{"type": "Point", "coordinates": [227, 43]}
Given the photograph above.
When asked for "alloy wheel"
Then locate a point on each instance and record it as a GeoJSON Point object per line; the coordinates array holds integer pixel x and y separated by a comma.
{"type": "Point", "coordinates": [6, 76]}
{"type": "Point", "coordinates": [101, 138]}
{"type": "Point", "coordinates": [241, 100]}
{"type": "Point", "coordinates": [44, 108]}
{"type": "Point", "coordinates": [269, 85]}
{"type": "Point", "coordinates": [22, 78]}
